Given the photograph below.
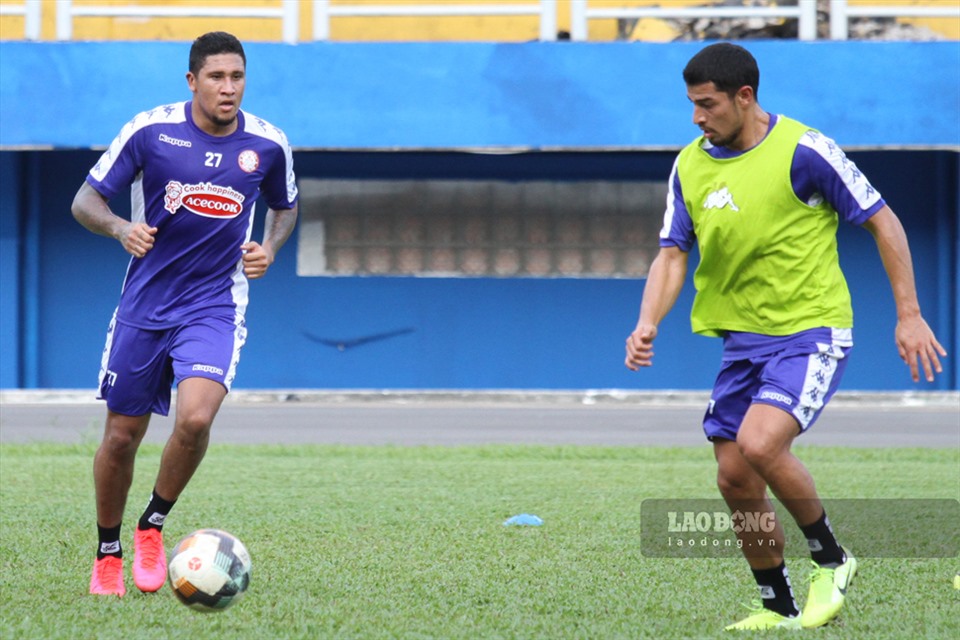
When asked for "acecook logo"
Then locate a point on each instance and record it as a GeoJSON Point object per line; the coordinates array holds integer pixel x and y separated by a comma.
{"type": "Point", "coordinates": [203, 199]}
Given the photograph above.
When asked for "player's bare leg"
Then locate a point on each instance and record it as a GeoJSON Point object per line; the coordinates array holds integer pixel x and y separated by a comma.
{"type": "Point", "coordinates": [198, 401]}
{"type": "Point", "coordinates": [745, 491]}
{"type": "Point", "coordinates": [112, 475]}
{"type": "Point", "coordinates": [764, 439]}
{"type": "Point", "coordinates": [113, 464]}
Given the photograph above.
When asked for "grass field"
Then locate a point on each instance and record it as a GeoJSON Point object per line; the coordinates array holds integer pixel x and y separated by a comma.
{"type": "Point", "coordinates": [393, 542]}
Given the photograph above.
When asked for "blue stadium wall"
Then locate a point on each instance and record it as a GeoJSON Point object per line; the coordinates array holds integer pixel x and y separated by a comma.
{"type": "Point", "coordinates": [565, 111]}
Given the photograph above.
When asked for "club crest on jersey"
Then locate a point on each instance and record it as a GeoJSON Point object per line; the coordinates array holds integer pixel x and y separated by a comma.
{"type": "Point", "coordinates": [248, 160]}
{"type": "Point", "coordinates": [204, 199]}
{"type": "Point", "coordinates": [719, 199]}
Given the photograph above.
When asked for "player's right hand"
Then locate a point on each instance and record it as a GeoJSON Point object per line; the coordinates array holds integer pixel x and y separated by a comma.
{"type": "Point", "coordinates": [919, 348]}
{"type": "Point", "coordinates": [137, 238]}
{"type": "Point", "coordinates": [640, 347]}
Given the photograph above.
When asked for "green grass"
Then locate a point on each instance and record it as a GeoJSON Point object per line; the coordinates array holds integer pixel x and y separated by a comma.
{"type": "Point", "coordinates": [393, 542]}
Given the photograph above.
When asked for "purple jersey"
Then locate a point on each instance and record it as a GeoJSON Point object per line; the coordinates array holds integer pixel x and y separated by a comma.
{"type": "Point", "coordinates": [200, 192]}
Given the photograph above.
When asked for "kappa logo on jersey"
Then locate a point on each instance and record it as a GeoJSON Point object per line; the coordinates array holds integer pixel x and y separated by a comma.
{"type": "Point", "coordinates": [719, 199]}
{"type": "Point", "coordinates": [177, 142]}
{"type": "Point", "coordinates": [248, 160]}
{"type": "Point", "coordinates": [204, 199]}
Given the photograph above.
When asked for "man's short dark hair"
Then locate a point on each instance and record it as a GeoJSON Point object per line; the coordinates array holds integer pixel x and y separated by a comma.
{"type": "Point", "coordinates": [727, 66]}
{"type": "Point", "coordinates": [211, 44]}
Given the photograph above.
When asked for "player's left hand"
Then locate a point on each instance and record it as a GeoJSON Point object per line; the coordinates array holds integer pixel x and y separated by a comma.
{"type": "Point", "coordinates": [256, 260]}
{"type": "Point", "coordinates": [919, 347]}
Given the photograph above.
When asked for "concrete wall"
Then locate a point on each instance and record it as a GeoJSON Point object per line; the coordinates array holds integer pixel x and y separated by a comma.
{"type": "Point", "coordinates": [614, 112]}
{"type": "Point", "coordinates": [535, 95]}
{"type": "Point", "coordinates": [557, 333]}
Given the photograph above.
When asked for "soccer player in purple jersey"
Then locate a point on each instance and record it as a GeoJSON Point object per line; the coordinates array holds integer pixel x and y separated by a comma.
{"type": "Point", "coordinates": [195, 170]}
{"type": "Point", "coordinates": [761, 196]}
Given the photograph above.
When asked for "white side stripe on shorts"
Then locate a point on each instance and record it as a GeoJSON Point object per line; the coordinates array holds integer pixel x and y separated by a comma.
{"type": "Point", "coordinates": [821, 368]}
{"type": "Point", "coordinates": [105, 358]}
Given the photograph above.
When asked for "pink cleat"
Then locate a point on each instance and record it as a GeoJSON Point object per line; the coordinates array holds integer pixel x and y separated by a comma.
{"type": "Point", "coordinates": [149, 560]}
{"type": "Point", "coordinates": [107, 577]}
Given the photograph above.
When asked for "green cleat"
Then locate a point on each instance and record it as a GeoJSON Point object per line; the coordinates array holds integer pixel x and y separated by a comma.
{"type": "Point", "coordinates": [761, 619]}
{"type": "Point", "coordinates": [828, 589]}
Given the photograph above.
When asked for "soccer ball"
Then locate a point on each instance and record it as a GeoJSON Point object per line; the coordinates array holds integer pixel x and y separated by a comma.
{"type": "Point", "coordinates": [209, 570]}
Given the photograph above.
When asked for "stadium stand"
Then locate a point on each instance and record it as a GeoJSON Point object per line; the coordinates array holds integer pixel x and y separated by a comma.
{"type": "Point", "coordinates": [478, 20]}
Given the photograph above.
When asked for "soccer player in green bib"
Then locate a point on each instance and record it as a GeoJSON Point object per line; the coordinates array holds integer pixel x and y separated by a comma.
{"type": "Point", "coordinates": [761, 196]}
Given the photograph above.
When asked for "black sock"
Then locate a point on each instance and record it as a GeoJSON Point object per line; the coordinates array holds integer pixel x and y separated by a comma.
{"type": "Point", "coordinates": [775, 590]}
{"type": "Point", "coordinates": [109, 544]}
{"type": "Point", "coordinates": [155, 513]}
{"type": "Point", "coordinates": [824, 548]}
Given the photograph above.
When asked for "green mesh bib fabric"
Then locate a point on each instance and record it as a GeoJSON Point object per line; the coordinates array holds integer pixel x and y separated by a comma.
{"type": "Point", "coordinates": [768, 262]}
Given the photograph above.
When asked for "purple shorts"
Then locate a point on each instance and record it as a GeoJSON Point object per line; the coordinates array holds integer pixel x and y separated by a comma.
{"type": "Point", "coordinates": [139, 366]}
{"type": "Point", "coordinates": [801, 379]}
